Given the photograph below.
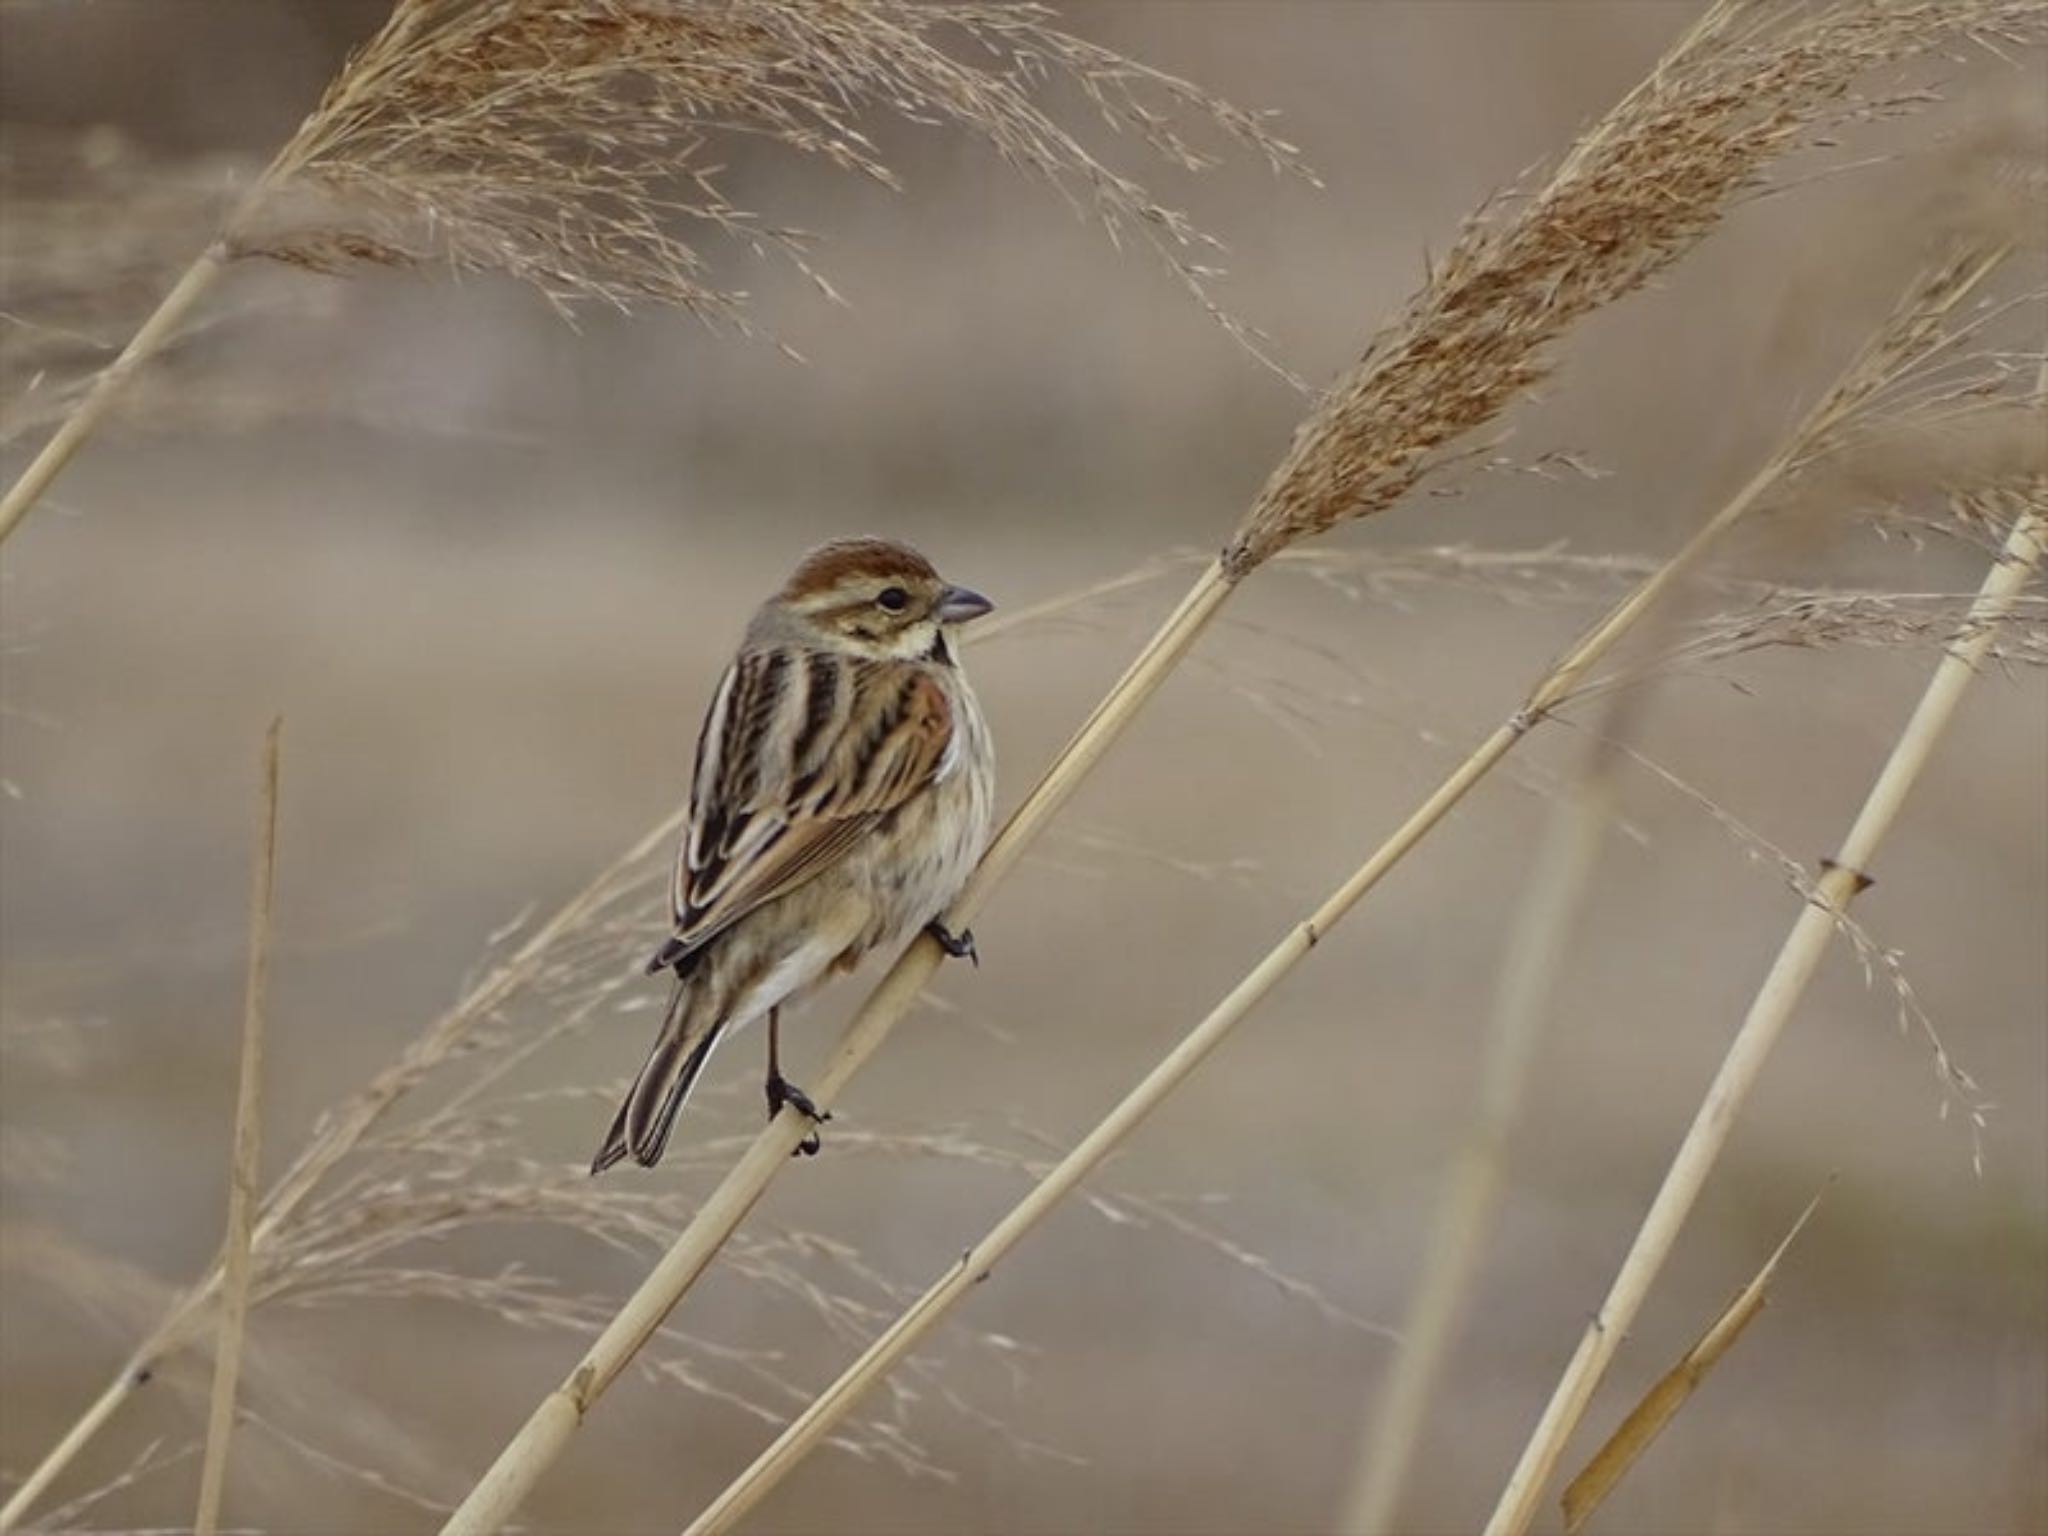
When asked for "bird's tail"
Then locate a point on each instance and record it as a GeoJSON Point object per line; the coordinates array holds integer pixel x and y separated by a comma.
{"type": "Point", "coordinates": [648, 1114]}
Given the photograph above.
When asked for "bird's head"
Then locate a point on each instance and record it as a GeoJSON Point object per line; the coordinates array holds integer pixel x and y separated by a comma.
{"type": "Point", "coordinates": [876, 598]}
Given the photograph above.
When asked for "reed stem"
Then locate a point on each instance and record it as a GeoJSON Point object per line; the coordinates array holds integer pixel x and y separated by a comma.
{"type": "Point", "coordinates": [86, 417]}
{"type": "Point", "coordinates": [236, 1265]}
{"type": "Point", "coordinates": [1782, 988]}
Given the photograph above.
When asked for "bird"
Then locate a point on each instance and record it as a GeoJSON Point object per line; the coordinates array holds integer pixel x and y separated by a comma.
{"type": "Point", "coordinates": [843, 791]}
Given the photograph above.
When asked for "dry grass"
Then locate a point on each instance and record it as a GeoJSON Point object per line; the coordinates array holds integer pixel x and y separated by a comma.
{"type": "Point", "coordinates": [577, 146]}
{"type": "Point", "coordinates": [365, 1212]}
{"type": "Point", "coordinates": [1736, 91]}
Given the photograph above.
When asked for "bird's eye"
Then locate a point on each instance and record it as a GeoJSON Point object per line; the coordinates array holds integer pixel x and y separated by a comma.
{"type": "Point", "coordinates": [895, 599]}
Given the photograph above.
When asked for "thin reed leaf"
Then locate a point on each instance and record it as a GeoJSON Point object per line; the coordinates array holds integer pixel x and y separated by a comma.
{"type": "Point", "coordinates": [1673, 1390]}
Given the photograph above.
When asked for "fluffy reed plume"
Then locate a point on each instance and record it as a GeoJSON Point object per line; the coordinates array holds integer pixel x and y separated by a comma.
{"type": "Point", "coordinates": [464, 131]}
{"type": "Point", "coordinates": [1885, 620]}
{"type": "Point", "coordinates": [1748, 82]}
{"type": "Point", "coordinates": [575, 146]}
{"type": "Point", "coordinates": [1744, 85]}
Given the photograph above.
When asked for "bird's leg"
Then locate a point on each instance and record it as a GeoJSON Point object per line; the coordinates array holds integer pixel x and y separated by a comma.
{"type": "Point", "coordinates": [959, 945]}
{"type": "Point", "coordinates": [782, 1091]}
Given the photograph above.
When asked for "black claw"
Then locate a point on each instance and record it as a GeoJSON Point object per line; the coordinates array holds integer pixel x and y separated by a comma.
{"type": "Point", "coordinates": [781, 1091]}
{"type": "Point", "coordinates": [959, 945]}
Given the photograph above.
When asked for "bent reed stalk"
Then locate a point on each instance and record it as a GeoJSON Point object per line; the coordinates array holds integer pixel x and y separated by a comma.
{"type": "Point", "coordinates": [1641, 188]}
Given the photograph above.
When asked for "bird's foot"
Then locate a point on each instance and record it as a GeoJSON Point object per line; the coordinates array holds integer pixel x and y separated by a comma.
{"type": "Point", "coordinates": [782, 1091]}
{"type": "Point", "coordinates": [959, 945]}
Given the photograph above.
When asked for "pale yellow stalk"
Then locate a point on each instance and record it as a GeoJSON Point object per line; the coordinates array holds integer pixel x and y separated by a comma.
{"type": "Point", "coordinates": [86, 417]}
{"type": "Point", "coordinates": [1780, 993]}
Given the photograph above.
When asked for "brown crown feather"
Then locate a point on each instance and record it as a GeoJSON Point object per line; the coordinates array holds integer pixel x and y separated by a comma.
{"type": "Point", "coordinates": [829, 565]}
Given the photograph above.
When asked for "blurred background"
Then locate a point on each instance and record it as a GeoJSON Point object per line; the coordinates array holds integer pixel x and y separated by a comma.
{"type": "Point", "coordinates": [487, 565]}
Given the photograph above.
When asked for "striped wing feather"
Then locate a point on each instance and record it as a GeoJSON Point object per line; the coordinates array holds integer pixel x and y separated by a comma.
{"type": "Point", "coordinates": [803, 753]}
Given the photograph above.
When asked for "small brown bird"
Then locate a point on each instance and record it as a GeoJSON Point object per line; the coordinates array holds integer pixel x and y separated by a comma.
{"type": "Point", "coordinates": [844, 785]}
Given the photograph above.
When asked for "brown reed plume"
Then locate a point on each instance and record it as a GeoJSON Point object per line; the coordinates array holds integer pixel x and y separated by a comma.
{"type": "Point", "coordinates": [573, 146]}
{"type": "Point", "coordinates": [1744, 85]}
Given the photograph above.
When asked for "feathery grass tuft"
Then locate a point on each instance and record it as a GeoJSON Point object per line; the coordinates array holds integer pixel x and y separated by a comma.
{"type": "Point", "coordinates": [571, 145]}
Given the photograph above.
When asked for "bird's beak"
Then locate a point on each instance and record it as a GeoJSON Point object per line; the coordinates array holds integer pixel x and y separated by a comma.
{"type": "Point", "coordinates": [959, 604]}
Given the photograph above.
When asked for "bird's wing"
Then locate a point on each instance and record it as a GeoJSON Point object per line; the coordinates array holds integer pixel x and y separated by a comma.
{"type": "Point", "coordinates": [802, 754]}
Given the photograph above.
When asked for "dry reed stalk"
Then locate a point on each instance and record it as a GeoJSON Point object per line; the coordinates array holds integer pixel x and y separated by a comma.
{"type": "Point", "coordinates": [565, 144]}
{"type": "Point", "coordinates": [1546, 918]}
{"type": "Point", "coordinates": [1843, 877]}
{"type": "Point", "coordinates": [1911, 331]}
{"type": "Point", "coordinates": [236, 1263]}
{"type": "Point", "coordinates": [1611, 1463]}
{"type": "Point", "coordinates": [1643, 186]}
